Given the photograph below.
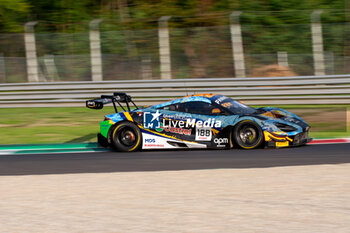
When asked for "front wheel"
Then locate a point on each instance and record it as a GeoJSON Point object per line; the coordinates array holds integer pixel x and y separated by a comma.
{"type": "Point", "coordinates": [248, 134]}
{"type": "Point", "coordinates": [126, 137]}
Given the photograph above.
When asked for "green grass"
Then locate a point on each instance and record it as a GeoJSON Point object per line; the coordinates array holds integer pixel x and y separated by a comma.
{"type": "Point", "coordinates": [321, 135]}
{"type": "Point", "coordinates": [78, 124]}
{"type": "Point", "coordinates": [50, 125]}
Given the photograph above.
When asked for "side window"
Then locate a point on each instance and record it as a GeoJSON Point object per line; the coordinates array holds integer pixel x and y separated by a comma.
{"type": "Point", "coordinates": [173, 107]}
{"type": "Point", "coordinates": [201, 108]}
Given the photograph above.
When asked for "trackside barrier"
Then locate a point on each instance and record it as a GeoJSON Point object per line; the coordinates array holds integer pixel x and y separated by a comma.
{"type": "Point", "coordinates": [328, 89]}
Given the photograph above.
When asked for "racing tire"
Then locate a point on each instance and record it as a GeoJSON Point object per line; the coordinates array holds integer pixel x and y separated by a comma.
{"type": "Point", "coordinates": [248, 135]}
{"type": "Point", "coordinates": [126, 137]}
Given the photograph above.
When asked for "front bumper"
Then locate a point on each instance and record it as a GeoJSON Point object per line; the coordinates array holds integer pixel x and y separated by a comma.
{"type": "Point", "coordinates": [288, 141]}
{"type": "Point", "coordinates": [301, 139]}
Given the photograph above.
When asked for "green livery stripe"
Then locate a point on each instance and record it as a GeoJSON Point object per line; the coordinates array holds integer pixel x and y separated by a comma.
{"type": "Point", "coordinates": [104, 127]}
{"type": "Point", "coordinates": [57, 151]}
{"type": "Point", "coordinates": [50, 148]}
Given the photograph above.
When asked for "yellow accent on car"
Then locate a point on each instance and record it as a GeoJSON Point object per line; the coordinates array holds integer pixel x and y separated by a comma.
{"type": "Point", "coordinates": [282, 144]}
{"type": "Point", "coordinates": [215, 110]}
{"type": "Point", "coordinates": [207, 95]}
{"type": "Point", "coordinates": [268, 137]}
{"type": "Point", "coordinates": [268, 114]}
{"type": "Point", "coordinates": [138, 142]}
{"type": "Point", "coordinates": [128, 116]}
{"type": "Point", "coordinates": [215, 131]}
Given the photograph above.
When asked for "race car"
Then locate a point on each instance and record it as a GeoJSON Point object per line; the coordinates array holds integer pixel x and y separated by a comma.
{"type": "Point", "coordinates": [196, 121]}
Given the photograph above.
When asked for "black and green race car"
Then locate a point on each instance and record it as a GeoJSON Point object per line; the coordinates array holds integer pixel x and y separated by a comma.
{"type": "Point", "coordinates": [197, 121]}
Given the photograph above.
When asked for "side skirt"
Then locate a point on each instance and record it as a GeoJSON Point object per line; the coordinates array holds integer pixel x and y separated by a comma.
{"type": "Point", "coordinates": [151, 141]}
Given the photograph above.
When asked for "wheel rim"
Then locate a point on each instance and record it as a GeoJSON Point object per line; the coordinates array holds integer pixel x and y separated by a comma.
{"type": "Point", "coordinates": [248, 135]}
{"type": "Point", "coordinates": [127, 137]}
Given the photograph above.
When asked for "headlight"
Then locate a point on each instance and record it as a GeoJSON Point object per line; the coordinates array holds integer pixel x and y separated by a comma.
{"type": "Point", "coordinates": [285, 127]}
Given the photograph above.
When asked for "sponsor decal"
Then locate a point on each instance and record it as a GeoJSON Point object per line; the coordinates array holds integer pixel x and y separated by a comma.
{"type": "Point", "coordinates": [151, 120]}
{"type": "Point", "coordinates": [192, 123]}
{"type": "Point", "coordinates": [151, 142]}
{"type": "Point", "coordinates": [176, 116]}
{"type": "Point", "coordinates": [219, 100]}
{"type": "Point", "coordinates": [226, 105]}
{"type": "Point", "coordinates": [153, 145]}
{"type": "Point", "coordinates": [282, 144]}
{"type": "Point", "coordinates": [203, 134]}
{"type": "Point", "coordinates": [160, 129]}
{"type": "Point", "coordinates": [169, 124]}
{"type": "Point", "coordinates": [177, 130]}
{"type": "Point", "coordinates": [168, 129]}
{"type": "Point", "coordinates": [91, 103]}
{"type": "Point", "coordinates": [220, 141]}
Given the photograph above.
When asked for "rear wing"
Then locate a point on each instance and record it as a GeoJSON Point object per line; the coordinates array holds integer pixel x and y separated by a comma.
{"type": "Point", "coordinates": [117, 97]}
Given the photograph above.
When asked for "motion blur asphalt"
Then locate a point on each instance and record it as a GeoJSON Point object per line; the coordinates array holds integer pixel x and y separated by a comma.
{"type": "Point", "coordinates": [168, 160]}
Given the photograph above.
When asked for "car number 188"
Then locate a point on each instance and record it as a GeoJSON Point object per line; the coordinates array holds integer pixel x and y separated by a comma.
{"type": "Point", "coordinates": [203, 134]}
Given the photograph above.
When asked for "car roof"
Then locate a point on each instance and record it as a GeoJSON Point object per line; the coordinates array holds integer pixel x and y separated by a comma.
{"type": "Point", "coordinates": [198, 97]}
{"type": "Point", "coordinates": [206, 98]}
{"type": "Point", "coordinates": [207, 95]}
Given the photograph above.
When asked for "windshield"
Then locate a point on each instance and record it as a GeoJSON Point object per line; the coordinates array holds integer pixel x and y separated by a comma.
{"type": "Point", "coordinates": [233, 106]}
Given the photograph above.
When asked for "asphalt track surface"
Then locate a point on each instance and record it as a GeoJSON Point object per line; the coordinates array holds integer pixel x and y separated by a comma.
{"type": "Point", "coordinates": [160, 160]}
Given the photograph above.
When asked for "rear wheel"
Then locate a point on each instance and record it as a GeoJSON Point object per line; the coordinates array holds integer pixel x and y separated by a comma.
{"type": "Point", "coordinates": [248, 135]}
{"type": "Point", "coordinates": [126, 137]}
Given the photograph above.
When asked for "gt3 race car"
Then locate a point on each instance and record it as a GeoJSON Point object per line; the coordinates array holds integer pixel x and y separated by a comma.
{"type": "Point", "coordinates": [197, 121]}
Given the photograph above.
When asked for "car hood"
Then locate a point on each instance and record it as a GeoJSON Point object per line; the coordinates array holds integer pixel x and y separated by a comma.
{"type": "Point", "coordinates": [283, 116]}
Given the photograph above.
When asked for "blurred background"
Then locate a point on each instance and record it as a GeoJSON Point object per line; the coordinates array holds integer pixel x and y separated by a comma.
{"type": "Point", "coordinates": [111, 40]}
{"type": "Point", "coordinates": [276, 36]}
